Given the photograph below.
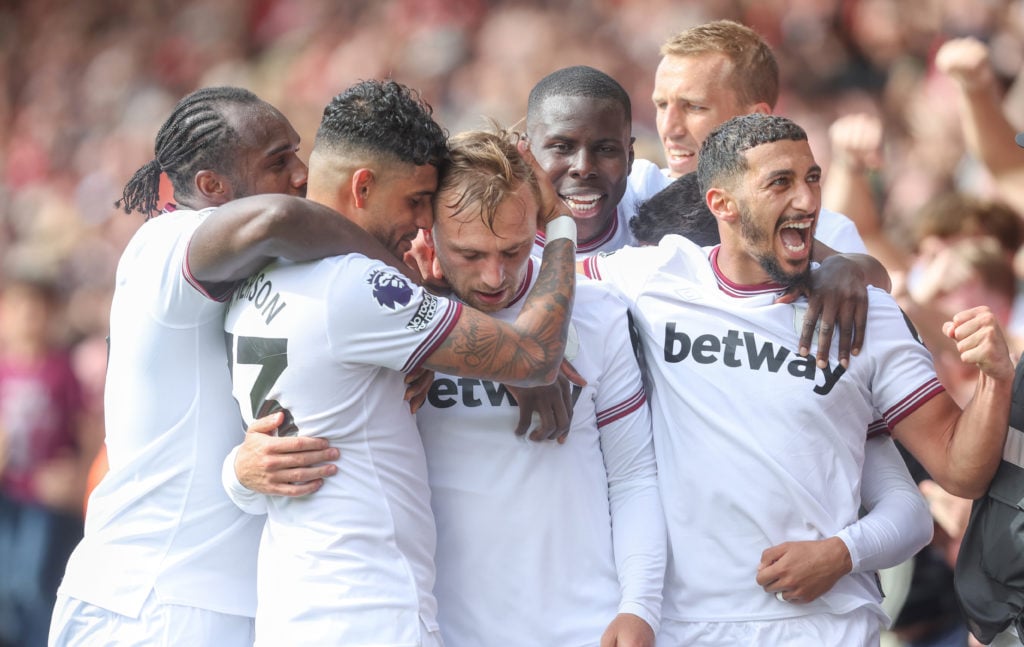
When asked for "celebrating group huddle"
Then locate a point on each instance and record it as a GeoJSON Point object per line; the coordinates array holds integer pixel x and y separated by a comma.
{"type": "Point", "coordinates": [700, 453]}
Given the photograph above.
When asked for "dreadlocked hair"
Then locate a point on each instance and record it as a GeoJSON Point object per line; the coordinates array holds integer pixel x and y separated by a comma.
{"type": "Point", "coordinates": [196, 136]}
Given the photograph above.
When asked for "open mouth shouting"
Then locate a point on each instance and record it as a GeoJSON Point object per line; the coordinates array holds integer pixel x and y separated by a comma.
{"type": "Point", "coordinates": [795, 236]}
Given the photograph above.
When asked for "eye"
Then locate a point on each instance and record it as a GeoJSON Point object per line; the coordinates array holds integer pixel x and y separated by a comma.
{"type": "Point", "coordinates": [560, 147]}
{"type": "Point", "coordinates": [814, 178]}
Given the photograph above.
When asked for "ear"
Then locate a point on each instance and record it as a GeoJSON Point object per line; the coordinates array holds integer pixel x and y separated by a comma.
{"type": "Point", "coordinates": [722, 204]}
{"type": "Point", "coordinates": [215, 188]}
{"type": "Point", "coordinates": [363, 181]}
{"type": "Point", "coordinates": [762, 108]}
{"type": "Point", "coordinates": [631, 157]}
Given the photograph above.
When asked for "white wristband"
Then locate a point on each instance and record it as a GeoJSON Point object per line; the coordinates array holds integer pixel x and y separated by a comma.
{"type": "Point", "coordinates": [561, 227]}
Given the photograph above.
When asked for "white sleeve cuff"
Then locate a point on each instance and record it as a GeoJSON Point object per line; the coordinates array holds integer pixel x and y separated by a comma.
{"type": "Point", "coordinates": [246, 500]}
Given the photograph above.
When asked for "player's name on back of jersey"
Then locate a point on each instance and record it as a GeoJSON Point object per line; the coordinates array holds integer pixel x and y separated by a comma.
{"type": "Point", "coordinates": [260, 293]}
{"type": "Point", "coordinates": [759, 356]}
{"type": "Point", "coordinates": [447, 392]}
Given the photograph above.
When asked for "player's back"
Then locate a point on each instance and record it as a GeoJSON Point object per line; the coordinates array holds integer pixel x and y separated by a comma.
{"type": "Point", "coordinates": [160, 513]}
{"type": "Point", "coordinates": [328, 342]}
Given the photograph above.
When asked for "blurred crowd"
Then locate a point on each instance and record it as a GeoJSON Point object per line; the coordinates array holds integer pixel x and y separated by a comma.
{"type": "Point", "coordinates": [87, 84]}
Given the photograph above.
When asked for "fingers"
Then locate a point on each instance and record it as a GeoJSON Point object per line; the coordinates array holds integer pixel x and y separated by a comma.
{"type": "Point", "coordinates": [570, 373]}
{"type": "Point", "coordinates": [417, 386]}
{"type": "Point", "coordinates": [551, 206]}
{"type": "Point", "coordinates": [266, 424]}
{"type": "Point", "coordinates": [809, 325]}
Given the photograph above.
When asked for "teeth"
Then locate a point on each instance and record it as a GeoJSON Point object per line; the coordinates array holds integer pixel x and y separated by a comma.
{"type": "Point", "coordinates": [797, 225]}
{"type": "Point", "coordinates": [581, 202]}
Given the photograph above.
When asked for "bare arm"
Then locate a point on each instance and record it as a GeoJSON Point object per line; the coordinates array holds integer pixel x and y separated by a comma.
{"type": "Point", "coordinates": [245, 234]}
{"type": "Point", "coordinates": [961, 450]}
{"type": "Point", "coordinates": [856, 151]}
{"type": "Point", "coordinates": [987, 133]}
{"type": "Point", "coordinates": [527, 352]}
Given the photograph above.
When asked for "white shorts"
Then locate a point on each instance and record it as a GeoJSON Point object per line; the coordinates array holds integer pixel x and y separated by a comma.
{"type": "Point", "coordinates": [859, 627]}
{"type": "Point", "coordinates": [81, 624]}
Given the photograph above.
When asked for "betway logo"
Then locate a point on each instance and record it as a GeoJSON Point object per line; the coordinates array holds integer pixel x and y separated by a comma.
{"type": "Point", "coordinates": [446, 392]}
{"type": "Point", "coordinates": [739, 349]}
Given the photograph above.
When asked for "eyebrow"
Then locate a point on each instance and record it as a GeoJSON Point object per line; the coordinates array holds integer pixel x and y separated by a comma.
{"type": "Point", "coordinates": [287, 146]}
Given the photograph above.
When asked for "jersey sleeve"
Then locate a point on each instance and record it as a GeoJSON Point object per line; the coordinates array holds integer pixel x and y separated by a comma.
{"type": "Point", "coordinates": [898, 522]}
{"type": "Point", "coordinates": [625, 270]}
{"type": "Point", "coordinates": [247, 500]}
{"type": "Point", "coordinates": [624, 424]}
{"type": "Point", "coordinates": [840, 233]}
{"type": "Point", "coordinates": [904, 374]}
{"type": "Point", "coordinates": [385, 319]}
{"type": "Point", "coordinates": [159, 253]}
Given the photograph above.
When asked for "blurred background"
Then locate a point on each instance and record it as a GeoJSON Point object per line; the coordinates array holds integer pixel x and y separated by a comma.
{"type": "Point", "coordinates": [86, 85]}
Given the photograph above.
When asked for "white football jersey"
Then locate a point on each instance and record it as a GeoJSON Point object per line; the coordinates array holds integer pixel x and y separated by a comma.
{"type": "Point", "coordinates": [330, 343]}
{"type": "Point", "coordinates": [159, 522]}
{"type": "Point", "coordinates": [542, 544]}
{"type": "Point", "coordinates": [755, 445]}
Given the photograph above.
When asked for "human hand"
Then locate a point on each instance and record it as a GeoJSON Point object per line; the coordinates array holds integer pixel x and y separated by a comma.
{"type": "Point", "coordinates": [628, 630]}
{"type": "Point", "coordinates": [287, 466]}
{"type": "Point", "coordinates": [550, 206]}
{"type": "Point", "coordinates": [548, 407]}
{"type": "Point", "coordinates": [417, 385]}
{"type": "Point", "coordinates": [837, 296]}
{"type": "Point", "coordinates": [803, 570]}
{"type": "Point", "coordinates": [980, 341]}
{"type": "Point", "coordinates": [856, 141]}
{"type": "Point", "coordinates": [421, 257]}
{"type": "Point", "coordinates": [966, 61]}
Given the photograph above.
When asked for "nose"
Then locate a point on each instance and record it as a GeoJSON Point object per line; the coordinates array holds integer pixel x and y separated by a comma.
{"type": "Point", "coordinates": [672, 122]}
{"type": "Point", "coordinates": [582, 164]}
{"type": "Point", "coordinates": [807, 197]}
{"type": "Point", "coordinates": [424, 216]}
{"type": "Point", "coordinates": [299, 175]}
{"type": "Point", "coordinates": [492, 273]}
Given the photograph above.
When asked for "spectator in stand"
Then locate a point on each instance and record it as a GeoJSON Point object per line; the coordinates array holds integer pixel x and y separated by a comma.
{"type": "Point", "coordinates": [44, 454]}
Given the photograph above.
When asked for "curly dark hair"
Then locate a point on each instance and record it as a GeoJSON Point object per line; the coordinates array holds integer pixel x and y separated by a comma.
{"type": "Point", "coordinates": [383, 117]}
{"type": "Point", "coordinates": [196, 136]}
{"type": "Point", "coordinates": [680, 209]}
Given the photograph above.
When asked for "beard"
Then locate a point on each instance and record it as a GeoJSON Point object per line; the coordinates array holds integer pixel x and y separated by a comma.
{"type": "Point", "coordinates": [759, 242]}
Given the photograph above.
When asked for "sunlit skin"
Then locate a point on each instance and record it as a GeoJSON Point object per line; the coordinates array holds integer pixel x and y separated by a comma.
{"type": "Point", "coordinates": [768, 217]}
{"type": "Point", "coordinates": [692, 95]}
{"type": "Point", "coordinates": [586, 147]}
{"type": "Point", "coordinates": [267, 160]}
{"type": "Point", "coordinates": [485, 268]}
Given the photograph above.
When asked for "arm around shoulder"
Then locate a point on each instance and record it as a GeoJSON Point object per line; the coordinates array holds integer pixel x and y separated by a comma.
{"type": "Point", "coordinates": [245, 234]}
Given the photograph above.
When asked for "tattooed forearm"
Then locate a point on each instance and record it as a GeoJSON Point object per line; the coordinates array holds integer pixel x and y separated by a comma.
{"type": "Point", "coordinates": [528, 351]}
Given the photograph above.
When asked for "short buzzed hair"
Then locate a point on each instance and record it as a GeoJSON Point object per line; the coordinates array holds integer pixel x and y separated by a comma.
{"type": "Point", "coordinates": [483, 169]}
{"type": "Point", "coordinates": [578, 81]}
{"type": "Point", "coordinates": [755, 72]}
{"type": "Point", "coordinates": [721, 155]}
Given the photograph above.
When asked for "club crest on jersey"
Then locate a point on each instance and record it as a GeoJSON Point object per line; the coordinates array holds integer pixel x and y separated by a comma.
{"type": "Point", "coordinates": [389, 289]}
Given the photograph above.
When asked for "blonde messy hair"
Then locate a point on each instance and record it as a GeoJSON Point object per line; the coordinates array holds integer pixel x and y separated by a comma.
{"type": "Point", "coordinates": [483, 169]}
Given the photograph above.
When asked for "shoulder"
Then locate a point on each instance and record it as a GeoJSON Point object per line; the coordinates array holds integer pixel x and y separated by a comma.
{"type": "Point", "coordinates": [646, 179]}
